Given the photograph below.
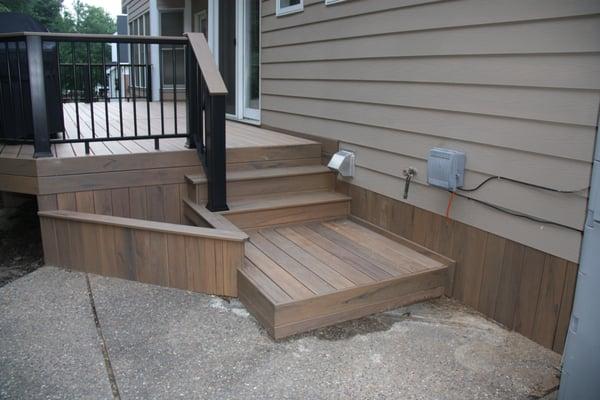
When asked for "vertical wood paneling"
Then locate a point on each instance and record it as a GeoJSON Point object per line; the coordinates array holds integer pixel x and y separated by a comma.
{"type": "Point", "coordinates": [492, 269]}
{"type": "Point", "coordinates": [533, 267]}
{"type": "Point", "coordinates": [158, 262]}
{"type": "Point", "coordinates": [549, 301]}
{"type": "Point", "coordinates": [154, 203]}
{"type": "Point", "coordinates": [137, 203]}
{"type": "Point", "coordinates": [566, 307]}
{"type": "Point", "coordinates": [49, 242]}
{"type": "Point", "coordinates": [510, 283]}
{"type": "Point", "coordinates": [120, 202]}
{"type": "Point", "coordinates": [176, 253]}
{"type": "Point", "coordinates": [172, 204]}
{"type": "Point", "coordinates": [103, 202]}
{"type": "Point", "coordinates": [85, 201]}
{"type": "Point", "coordinates": [47, 202]}
{"type": "Point", "coordinates": [66, 201]}
{"type": "Point", "coordinates": [523, 288]}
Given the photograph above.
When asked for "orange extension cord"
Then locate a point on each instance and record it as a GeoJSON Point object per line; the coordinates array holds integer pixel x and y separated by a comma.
{"type": "Point", "coordinates": [450, 199]}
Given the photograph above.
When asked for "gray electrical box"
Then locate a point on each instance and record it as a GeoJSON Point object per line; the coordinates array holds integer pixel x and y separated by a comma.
{"type": "Point", "coordinates": [446, 168]}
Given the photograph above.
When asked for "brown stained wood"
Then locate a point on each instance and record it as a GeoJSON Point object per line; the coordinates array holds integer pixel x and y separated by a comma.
{"type": "Point", "coordinates": [120, 202]}
{"type": "Point", "coordinates": [193, 267]}
{"type": "Point", "coordinates": [342, 253]}
{"type": "Point", "coordinates": [62, 241]}
{"type": "Point", "coordinates": [280, 276]}
{"type": "Point", "coordinates": [176, 254]}
{"type": "Point", "coordinates": [212, 219]}
{"type": "Point", "coordinates": [263, 283]}
{"type": "Point", "coordinates": [89, 248]}
{"type": "Point", "coordinates": [146, 225]}
{"type": "Point", "coordinates": [172, 204]}
{"type": "Point", "coordinates": [85, 201]}
{"type": "Point", "coordinates": [107, 250]}
{"type": "Point", "coordinates": [233, 259]}
{"type": "Point", "coordinates": [469, 252]}
{"type": "Point", "coordinates": [281, 216]}
{"type": "Point", "coordinates": [75, 245]}
{"type": "Point", "coordinates": [141, 256]}
{"type": "Point", "coordinates": [49, 241]}
{"type": "Point", "coordinates": [531, 277]}
{"type": "Point", "coordinates": [492, 269]}
{"type": "Point", "coordinates": [354, 275]}
{"type": "Point", "coordinates": [397, 253]}
{"type": "Point", "coordinates": [283, 331]}
{"type": "Point", "coordinates": [359, 249]}
{"type": "Point", "coordinates": [219, 262]}
{"type": "Point", "coordinates": [124, 252]}
{"type": "Point", "coordinates": [329, 275]}
{"type": "Point", "coordinates": [47, 202]}
{"type": "Point", "coordinates": [154, 203]}
{"type": "Point", "coordinates": [303, 274]}
{"type": "Point", "coordinates": [566, 306]}
{"type": "Point", "coordinates": [66, 201]}
{"type": "Point", "coordinates": [157, 263]}
{"type": "Point", "coordinates": [510, 283]}
{"type": "Point", "coordinates": [252, 295]}
{"type": "Point", "coordinates": [103, 202]}
{"type": "Point", "coordinates": [207, 266]}
{"type": "Point", "coordinates": [549, 300]}
{"type": "Point", "coordinates": [137, 203]}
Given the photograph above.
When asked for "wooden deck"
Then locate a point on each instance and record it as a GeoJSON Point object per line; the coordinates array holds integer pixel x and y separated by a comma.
{"type": "Point", "coordinates": [239, 135]}
{"type": "Point", "coordinates": [300, 277]}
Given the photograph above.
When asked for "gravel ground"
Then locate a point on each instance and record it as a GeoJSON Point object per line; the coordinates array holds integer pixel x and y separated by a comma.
{"type": "Point", "coordinates": [20, 242]}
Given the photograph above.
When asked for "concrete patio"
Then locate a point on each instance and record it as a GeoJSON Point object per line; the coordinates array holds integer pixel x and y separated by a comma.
{"type": "Point", "coordinates": [72, 335]}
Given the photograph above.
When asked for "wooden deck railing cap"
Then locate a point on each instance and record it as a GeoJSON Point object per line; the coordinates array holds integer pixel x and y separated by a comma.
{"type": "Point", "coordinates": [208, 67]}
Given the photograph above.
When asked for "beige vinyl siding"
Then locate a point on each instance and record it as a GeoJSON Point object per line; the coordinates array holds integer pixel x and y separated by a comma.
{"type": "Point", "coordinates": [513, 83]}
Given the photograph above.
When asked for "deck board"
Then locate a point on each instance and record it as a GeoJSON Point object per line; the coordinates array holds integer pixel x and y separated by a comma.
{"type": "Point", "coordinates": [283, 262]}
{"type": "Point", "coordinates": [239, 135]}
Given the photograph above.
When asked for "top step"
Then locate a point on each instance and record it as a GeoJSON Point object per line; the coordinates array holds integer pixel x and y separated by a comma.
{"type": "Point", "coordinates": [264, 173]}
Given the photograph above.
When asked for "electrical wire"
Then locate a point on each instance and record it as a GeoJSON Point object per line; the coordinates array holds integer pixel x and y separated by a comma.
{"type": "Point", "coordinates": [517, 214]}
{"type": "Point", "coordinates": [450, 199]}
{"type": "Point", "coordinates": [491, 178]}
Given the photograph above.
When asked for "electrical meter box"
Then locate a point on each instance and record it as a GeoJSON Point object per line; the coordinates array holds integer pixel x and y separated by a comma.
{"type": "Point", "coordinates": [446, 168]}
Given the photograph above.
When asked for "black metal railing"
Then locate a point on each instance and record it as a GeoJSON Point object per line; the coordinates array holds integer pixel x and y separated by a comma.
{"type": "Point", "coordinates": [72, 88]}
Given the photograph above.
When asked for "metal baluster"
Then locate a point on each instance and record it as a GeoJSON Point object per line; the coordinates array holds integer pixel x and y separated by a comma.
{"type": "Point", "coordinates": [191, 86]}
{"type": "Point", "coordinates": [132, 74]}
{"type": "Point", "coordinates": [120, 80]}
{"type": "Point", "coordinates": [20, 79]}
{"type": "Point", "coordinates": [174, 61]}
{"type": "Point", "coordinates": [61, 115]}
{"type": "Point", "coordinates": [147, 53]}
{"type": "Point", "coordinates": [9, 77]}
{"type": "Point", "coordinates": [89, 71]}
{"type": "Point", "coordinates": [160, 89]}
{"type": "Point", "coordinates": [75, 89]}
{"type": "Point", "coordinates": [105, 88]}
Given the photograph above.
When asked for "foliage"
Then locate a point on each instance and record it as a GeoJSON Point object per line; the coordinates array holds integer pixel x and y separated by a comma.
{"type": "Point", "coordinates": [84, 19]}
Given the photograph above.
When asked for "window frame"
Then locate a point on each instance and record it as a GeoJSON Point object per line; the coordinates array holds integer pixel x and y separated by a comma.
{"type": "Point", "coordinates": [296, 8]}
{"type": "Point", "coordinates": [332, 2]}
{"type": "Point", "coordinates": [162, 49]}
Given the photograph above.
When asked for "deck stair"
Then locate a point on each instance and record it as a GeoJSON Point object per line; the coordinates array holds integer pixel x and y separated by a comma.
{"type": "Point", "coordinates": [308, 263]}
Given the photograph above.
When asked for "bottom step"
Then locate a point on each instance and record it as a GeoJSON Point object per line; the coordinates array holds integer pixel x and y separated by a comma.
{"type": "Point", "coordinates": [302, 277]}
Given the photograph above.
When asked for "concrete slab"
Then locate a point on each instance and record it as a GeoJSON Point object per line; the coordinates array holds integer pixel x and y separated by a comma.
{"type": "Point", "coordinates": [166, 343]}
{"type": "Point", "coordinates": [49, 346]}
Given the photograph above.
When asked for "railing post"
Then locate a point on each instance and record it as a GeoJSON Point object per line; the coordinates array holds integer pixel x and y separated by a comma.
{"type": "Point", "coordinates": [192, 98]}
{"type": "Point", "coordinates": [37, 89]}
{"type": "Point", "coordinates": [215, 153]}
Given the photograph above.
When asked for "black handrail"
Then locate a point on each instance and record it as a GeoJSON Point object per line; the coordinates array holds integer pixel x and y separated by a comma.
{"type": "Point", "coordinates": [80, 74]}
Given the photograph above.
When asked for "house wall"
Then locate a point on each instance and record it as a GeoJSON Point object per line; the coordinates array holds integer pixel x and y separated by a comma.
{"type": "Point", "coordinates": [135, 8]}
{"type": "Point", "coordinates": [515, 84]}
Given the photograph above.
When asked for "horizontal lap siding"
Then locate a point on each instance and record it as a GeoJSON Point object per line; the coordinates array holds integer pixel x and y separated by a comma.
{"type": "Point", "coordinates": [135, 8]}
{"type": "Point", "coordinates": [514, 84]}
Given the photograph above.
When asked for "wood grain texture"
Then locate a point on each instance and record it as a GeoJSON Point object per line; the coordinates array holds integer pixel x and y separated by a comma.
{"type": "Point", "coordinates": [523, 288]}
{"type": "Point", "coordinates": [150, 252]}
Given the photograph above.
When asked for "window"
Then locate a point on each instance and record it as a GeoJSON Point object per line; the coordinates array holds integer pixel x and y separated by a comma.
{"type": "Point", "coordinates": [289, 6]}
{"type": "Point", "coordinates": [171, 24]}
{"type": "Point", "coordinates": [139, 26]}
{"type": "Point", "coordinates": [328, 2]}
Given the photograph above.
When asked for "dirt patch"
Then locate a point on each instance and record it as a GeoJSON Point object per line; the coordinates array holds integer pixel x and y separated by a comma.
{"type": "Point", "coordinates": [20, 241]}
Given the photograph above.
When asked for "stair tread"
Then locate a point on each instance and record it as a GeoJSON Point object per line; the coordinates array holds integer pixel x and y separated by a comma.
{"type": "Point", "coordinates": [301, 277]}
{"type": "Point", "coordinates": [282, 200]}
{"type": "Point", "coordinates": [264, 173]}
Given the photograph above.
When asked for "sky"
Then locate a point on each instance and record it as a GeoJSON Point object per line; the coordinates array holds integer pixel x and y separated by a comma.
{"type": "Point", "coordinates": [113, 7]}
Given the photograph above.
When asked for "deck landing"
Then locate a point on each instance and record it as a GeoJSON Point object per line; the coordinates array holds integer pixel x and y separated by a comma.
{"type": "Point", "coordinates": [301, 277]}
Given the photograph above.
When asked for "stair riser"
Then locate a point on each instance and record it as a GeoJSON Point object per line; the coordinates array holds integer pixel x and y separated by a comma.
{"type": "Point", "coordinates": [265, 186]}
{"type": "Point", "coordinates": [288, 215]}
